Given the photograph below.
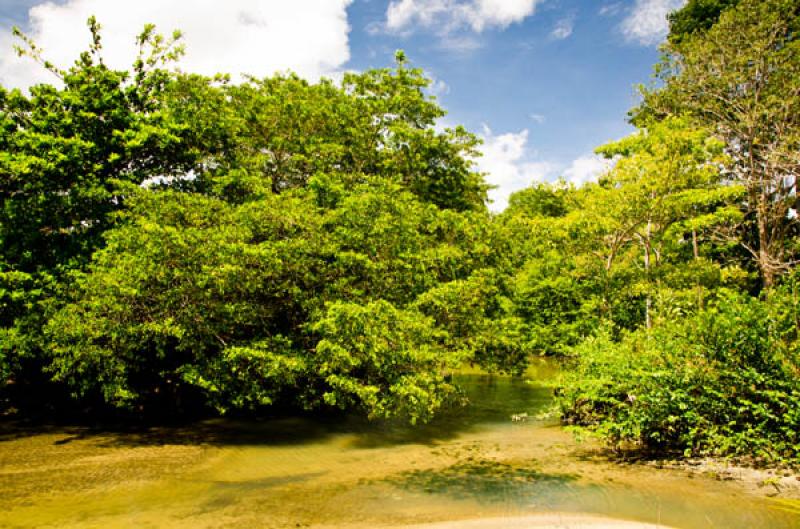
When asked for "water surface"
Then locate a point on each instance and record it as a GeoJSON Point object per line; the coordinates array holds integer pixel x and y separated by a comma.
{"type": "Point", "coordinates": [473, 463]}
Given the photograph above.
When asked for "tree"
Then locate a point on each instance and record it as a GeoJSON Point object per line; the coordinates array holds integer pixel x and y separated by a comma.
{"type": "Point", "coordinates": [69, 156]}
{"type": "Point", "coordinates": [720, 382]}
{"type": "Point", "coordinates": [478, 317]}
{"type": "Point", "coordinates": [196, 301]}
{"type": "Point", "coordinates": [541, 199]}
{"type": "Point", "coordinates": [193, 301]}
{"type": "Point", "coordinates": [741, 80]}
{"type": "Point", "coordinates": [377, 123]}
{"type": "Point", "coordinates": [68, 153]}
{"type": "Point", "coordinates": [665, 174]}
{"type": "Point", "coordinates": [171, 240]}
{"type": "Point", "coordinates": [553, 283]}
{"type": "Point", "coordinates": [386, 361]}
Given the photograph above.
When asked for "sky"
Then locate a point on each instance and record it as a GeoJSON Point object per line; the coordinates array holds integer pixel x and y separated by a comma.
{"type": "Point", "coordinates": [542, 82]}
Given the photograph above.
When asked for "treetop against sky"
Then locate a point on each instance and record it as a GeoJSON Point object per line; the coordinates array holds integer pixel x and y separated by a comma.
{"type": "Point", "coordinates": [542, 81]}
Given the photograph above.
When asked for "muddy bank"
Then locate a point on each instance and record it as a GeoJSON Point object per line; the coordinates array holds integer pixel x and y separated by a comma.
{"type": "Point", "coordinates": [767, 482]}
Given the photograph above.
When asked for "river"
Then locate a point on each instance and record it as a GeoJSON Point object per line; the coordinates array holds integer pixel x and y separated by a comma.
{"type": "Point", "coordinates": [473, 467]}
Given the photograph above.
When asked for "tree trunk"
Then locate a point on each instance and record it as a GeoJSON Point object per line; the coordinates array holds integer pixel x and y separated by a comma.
{"type": "Point", "coordinates": [765, 260]}
{"type": "Point", "coordinates": [648, 300]}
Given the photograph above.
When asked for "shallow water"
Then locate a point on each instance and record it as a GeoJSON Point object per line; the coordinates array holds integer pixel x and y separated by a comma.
{"type": "Point", "coordinates": [301, 472]}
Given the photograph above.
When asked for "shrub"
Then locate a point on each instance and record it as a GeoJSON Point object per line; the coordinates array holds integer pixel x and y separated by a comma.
{"type": "Point", "coordinates": [721, 382]}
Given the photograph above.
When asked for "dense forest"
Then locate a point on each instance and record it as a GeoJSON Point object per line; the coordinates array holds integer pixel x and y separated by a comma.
{"type": "Point", "coordinates": [177, 244]}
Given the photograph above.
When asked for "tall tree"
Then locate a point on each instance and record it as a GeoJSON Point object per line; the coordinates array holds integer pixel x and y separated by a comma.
{"type": "Point", "coordinates": [66, 154]}
{"type": "Point", "coordinates": [69, 154]}
{"type": "Point", "coordinates": [665, 174]}
{"type": "Point", "coordinates": [378, 122]}
{"type": "Point", "coordinates": [741, 80]}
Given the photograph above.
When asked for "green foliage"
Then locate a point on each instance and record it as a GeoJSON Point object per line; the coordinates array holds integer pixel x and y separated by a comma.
{"type": "Point", "coordinates": [555, 301]}
{"type": "Point", "coordinates": [68, 158]}
{"type": "Point", "coordinates": [704, 191]}
{"type": "Point", "coordinates": [539, 200]}
{"type": "Point", "coordinates": [611, 254]}
{"type": "Point", "coordinates": [171, 242]}
{"type": "Point", "coordinates": [200, 301]}
{"type": "Point", "coordinates": [284, 131]}
{"type": "Point", "coordinates": [387, 361]}
{"type": "Point", "coordinates": [479, 319]}
{"type": "Point", "coordinates": [65, 154]}
{"type": "Point", "coordinates": [186, 281]}
{"type": "Point", "coordinates": [697, 16]}
{"type": "Point", "coordinates": [248, 376]}
{"type": "Point", "coordinates": [720, 382]}
{"type": "Point", "coordinates": [392, 246]}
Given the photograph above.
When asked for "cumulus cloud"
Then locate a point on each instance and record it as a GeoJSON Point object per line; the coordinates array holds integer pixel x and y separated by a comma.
{"type": "Point", "coordinates": [507, 165]}
{"type": "Point", "coordinates": [586, 169]}
{"type": "Point", "coordinates": [563, 28]}
{"type": "Point", "coordinates": [647, 24]}
{"type": "Point", "coordinates": [255, 37]}
{"type": "Point", "coordinates": [446, 16]}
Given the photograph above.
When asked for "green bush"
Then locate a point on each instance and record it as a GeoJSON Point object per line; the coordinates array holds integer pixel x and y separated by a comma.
{"type": "Point", "coordinates": [721, 382]}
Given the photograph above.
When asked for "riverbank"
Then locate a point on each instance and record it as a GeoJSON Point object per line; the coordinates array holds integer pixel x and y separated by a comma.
{"type": "Point", "coordinates": [767, 482]}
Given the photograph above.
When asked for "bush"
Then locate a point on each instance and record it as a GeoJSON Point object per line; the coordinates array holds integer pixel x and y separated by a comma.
{"type": "Point", "coordinates": [721, 382]}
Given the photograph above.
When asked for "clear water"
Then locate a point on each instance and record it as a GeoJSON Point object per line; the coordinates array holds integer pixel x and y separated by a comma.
{"type": "Point", "coordinates": [300, 472]}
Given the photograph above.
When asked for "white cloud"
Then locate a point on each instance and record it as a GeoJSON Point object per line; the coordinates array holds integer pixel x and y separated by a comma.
{"type": "Point", "coordinates": [460, 43]}
{"type": "Point", "coordinates": [446, 16]}
{"type": "Point", "coordinates": [538, 118]}
{"type": "Point", "coordinates": [309, 37]}
{"type": "Point", "coordinates": [510, 165]}
{"type": "Point", "coordinates": [507, 165]}
{"type": "Point", "coordinates": [563, 28]}
{"type": "Point", "coordinates": [609, 10]}
{"type": "Point", "coordinates": [438, 87]}
{"type": "Point", "coordinates": [647, 22]}
{"type": "Point", "coordinates": [586, 169]}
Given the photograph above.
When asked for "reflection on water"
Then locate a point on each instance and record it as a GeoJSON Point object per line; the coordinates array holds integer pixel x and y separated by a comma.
{"type": "Point", "coordinates": [344, 472]}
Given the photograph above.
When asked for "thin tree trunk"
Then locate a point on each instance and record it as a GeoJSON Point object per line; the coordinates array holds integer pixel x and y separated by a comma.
{"type": "Point", "coordinates": [764, 257]}
{"type": "Point", "coordinates": [648, 301]}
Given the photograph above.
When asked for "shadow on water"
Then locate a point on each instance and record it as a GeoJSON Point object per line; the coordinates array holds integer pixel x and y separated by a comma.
{"type": "Point", "coordinates": [485, 481]}
{"type": "Point", "coordinates": [222, 494]}
{"type": "Point", "coordinates": [264, 483]}
{"type": "Point", "coordinates": [221, 432]}
{"type": "Point", "coordinates": [491, 399]}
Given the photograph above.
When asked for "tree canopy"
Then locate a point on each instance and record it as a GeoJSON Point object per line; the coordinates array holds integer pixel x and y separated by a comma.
{"type": "Point", "coordinates": [172, 241]}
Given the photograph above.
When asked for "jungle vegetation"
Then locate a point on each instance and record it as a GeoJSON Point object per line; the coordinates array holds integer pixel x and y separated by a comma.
{"type": "Point", "coordinates": [172, 243]}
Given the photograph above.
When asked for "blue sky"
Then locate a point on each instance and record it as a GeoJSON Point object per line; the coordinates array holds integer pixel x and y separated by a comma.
{"type": "Point", "coordinates": [542, 81]}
